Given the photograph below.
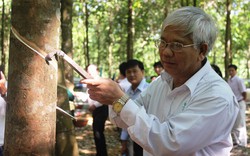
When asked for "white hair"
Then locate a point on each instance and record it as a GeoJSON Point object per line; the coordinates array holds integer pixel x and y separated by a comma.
{"type": "Point", "coordinates": [194, 23]}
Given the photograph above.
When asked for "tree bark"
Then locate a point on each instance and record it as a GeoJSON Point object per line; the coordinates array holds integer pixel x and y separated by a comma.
{"type": "Point", "coordinates": [130, 31]}
{"type": "Point", "coordinates": [195, 3]}
{"type": "Point", "coordinates": [66, 26]}
{"type": "Point", "coordinates": [228, 39]}
{"type": "Point", "coordinates": [32, 87]}
{"type": "Point", "coordinates": [86, 43]}
{"type": "Point", "coordinates": [66, 144]}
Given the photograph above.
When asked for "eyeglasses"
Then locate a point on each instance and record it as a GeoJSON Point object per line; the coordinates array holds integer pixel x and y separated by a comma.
{"type": "Point", "coordinates": [174, 46]}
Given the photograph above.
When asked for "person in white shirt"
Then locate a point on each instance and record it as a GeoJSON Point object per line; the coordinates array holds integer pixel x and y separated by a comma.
{"type": "Point", "coordinates": [238, 87]}
{"type": "Point", "coordinates": [3, 92]}
{"type": "Point", "coordinates": [122, 79]}
{"type": "Point", "coordinates": [100, 115]}
{"type": "Point", "coordinates": [134, 70]}
{"type": "Point", "coordinates": [158, 68]}
{"type": "Point", "coordinates": [187, 111]}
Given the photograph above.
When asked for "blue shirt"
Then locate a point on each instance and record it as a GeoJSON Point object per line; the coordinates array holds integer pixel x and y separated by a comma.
{"type": "Point", "coordinates": [133, 94]}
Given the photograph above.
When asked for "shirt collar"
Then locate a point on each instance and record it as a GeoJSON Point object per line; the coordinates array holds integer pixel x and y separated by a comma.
{"type": "Point", "coordinates": [192, 82]}
{"type": "Point", "coordinates": [195, 79]}
{"type": "Point", "coordinates": [140, 87]}
{"type": "Point", "coordinates": [166, 77]}
{"type": "Point", "coordinates": [232, 78]}
{"type": "Point", "coordinates": [142, 84]}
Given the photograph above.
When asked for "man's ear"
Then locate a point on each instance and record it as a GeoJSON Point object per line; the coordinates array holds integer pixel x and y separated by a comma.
{"type": "Point", "coordinates": [203, 50]}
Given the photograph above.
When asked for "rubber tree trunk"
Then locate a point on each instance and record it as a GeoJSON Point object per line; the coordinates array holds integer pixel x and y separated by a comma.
{"type": "Point", "coordinates": [32, 87]}
{"type": "Point", "coordinates": [66, 144]}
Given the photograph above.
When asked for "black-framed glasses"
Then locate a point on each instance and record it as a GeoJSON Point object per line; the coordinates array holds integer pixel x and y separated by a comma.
{"type": "Point", "coordinates": [173, 46]}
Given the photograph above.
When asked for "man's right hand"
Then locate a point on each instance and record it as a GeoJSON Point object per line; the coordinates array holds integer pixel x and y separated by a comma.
{"type": "Point", "coordinates": [103, 90]}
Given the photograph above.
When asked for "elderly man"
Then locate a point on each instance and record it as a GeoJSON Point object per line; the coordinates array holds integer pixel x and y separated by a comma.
{"type": "Point", "coordinates": [189, 110]}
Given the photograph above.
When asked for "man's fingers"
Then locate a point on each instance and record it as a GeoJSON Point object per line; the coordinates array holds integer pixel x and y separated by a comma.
{"type": "Point", "coordinates": [91, 91]}
{"type": "Point", "coordinates": [93, 82]}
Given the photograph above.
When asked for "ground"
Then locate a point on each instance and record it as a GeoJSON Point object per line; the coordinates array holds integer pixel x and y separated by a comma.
{"type": "Point", "coordinates": [86, 144]}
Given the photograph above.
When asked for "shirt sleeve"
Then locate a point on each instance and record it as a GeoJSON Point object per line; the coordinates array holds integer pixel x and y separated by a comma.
{"type": "Point", "coordinates": [242, 86]}
{"type": "Point", "coordinates": [2, 106]}
{"type": "Point", "coordinates": [117, 120]}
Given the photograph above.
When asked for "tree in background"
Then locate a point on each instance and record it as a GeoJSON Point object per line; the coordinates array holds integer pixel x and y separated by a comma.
{"type": "Point", "coordinates": [107, 31]}
{"type": "Point", "coordinates": [130, 29]}
{"type": "Point", "coordinates": [66, 144]}
{"type": "Point", "coordinates": [5, 26]}
{"type": "Point", "coordinates": [228, 38]}
{"type": "Point", "coordinates": [2, 36]}
{"type": "Point", "coordinates": [66, 26]}
{"type": "Point", "coordinates": [86, 39]}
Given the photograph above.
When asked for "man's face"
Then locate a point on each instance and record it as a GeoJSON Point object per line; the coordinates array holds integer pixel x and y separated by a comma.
{"type": "Point", "coordinates": [232, 72]}
{"type": "Point", "coordinates": [158, 69]}
{"type": "Point", "coordinates": [182, 64]}
{"type": "Point", "coordinates": [134, 76]}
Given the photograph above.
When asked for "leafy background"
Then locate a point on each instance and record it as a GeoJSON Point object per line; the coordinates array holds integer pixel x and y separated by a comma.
{"type": "Point", "coordinates": [107, 32]}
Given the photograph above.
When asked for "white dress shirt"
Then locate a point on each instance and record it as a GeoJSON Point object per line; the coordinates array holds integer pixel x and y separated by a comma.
{"type": "Point", "coordinates": [124, 84]}
{"type": "Point", "coordinates": [133, 94]}
{"type": "Point", "coordinates": [2, 120]}
{"type": "Point", "coordinates": [239, 131]}
{"type": "Point", "coordinates": [238, 86]}
{"type": "Point", "coordinates": [194, 119]}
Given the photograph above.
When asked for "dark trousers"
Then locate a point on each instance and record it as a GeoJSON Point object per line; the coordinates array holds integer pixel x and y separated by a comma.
{"type": "Point", "coordinates": [100, 116]}
{"type": "Point", "coordinates": [1, 150]}
{"type": "Point", "coordinates": [138, 150]}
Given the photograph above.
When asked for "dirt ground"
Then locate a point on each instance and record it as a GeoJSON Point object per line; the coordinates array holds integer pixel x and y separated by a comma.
{"type": "Point", "coordinates": [86, 144]}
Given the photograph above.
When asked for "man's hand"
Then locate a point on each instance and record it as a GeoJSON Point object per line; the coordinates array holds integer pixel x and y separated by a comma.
{"type": "Point", "coordinates": [92, 108]}
{"type": "Point", "coordinates": [3, 89]}
{"type": "Point", "coordinates": [105, 91]}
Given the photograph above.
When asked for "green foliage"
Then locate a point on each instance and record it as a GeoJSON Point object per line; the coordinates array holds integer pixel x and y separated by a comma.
{"type": "Point", "coordinates": [107, 31]}
{"type": "Point", "coordinates": [6, 20]}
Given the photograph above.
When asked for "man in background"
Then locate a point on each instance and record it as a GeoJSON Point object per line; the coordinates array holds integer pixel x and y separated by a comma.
{"type": "Point", "coordinates": [239, 131]}
{"type": "Point", "coordinates": [122, 80]}
{"type": "Point", "coordinates": [217, 69]}
{"type": "Point", "coordinates": [100, 115]}
{"type": "Point", "coordinates": [158, 68]}
{"type": "Point", "coordinates": [135, 75]}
